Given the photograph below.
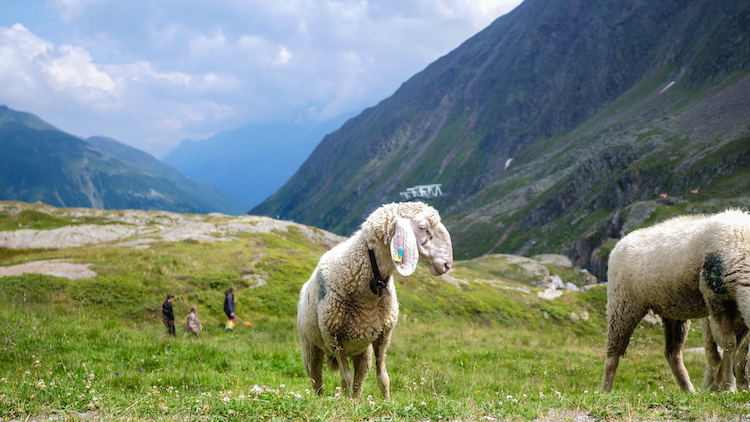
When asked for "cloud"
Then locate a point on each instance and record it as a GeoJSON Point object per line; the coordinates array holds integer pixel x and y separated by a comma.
{"type": "Point", "coordinates": [152, 73]}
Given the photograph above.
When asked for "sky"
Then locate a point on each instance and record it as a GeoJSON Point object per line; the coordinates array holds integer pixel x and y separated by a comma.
{"type": "Point", "coordinates": [151, 73]}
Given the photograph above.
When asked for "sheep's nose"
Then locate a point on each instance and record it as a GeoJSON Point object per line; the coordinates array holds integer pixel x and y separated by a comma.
{"type": "Point", "coordinates": [447, 266]}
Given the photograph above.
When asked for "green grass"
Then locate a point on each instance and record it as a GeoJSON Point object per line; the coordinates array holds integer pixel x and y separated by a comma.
{"type": "Point", "coordinates": [457, 368]}
{"type": "Point", "coordinates": [480, 349]}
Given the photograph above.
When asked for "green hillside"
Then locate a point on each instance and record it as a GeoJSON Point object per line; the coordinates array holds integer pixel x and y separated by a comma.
{"type": "Point", "coordinates": [477, 343]}
{"type": "Point", "coordinates": [38, 162]}
{"type": "Point", "coordinates": [545, 125]}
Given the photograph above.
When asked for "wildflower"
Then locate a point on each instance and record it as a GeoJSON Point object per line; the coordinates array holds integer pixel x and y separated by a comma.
{"type": "Point", "coordinates": [37, 364]}
{"type": "Point", "coordinates": [407, 408]}
{"type": "Point", "coordinates": [585, 391]}
{"type": "Point", "coordinates": [509, 397]}
{"type": "Point", "coordinates": [91, 376]}
{"type": "Point", "coordinates": [226, 399]}
{"type": "Point", "coordinates": [117, 373]}
{"type": "Point", "coordinates": [141, 369]}
{"type": "Point", "coordinates": [297, 396]}
{"type": "Point", "coordinates": [3, 380]}
{"type": "Point", "coordinates": [423, 403]}
{"type": "Point", "coordinates": [40, 385]}
{"type": "Point", "coordinates": [541, 395]}
{"type": "Point", "coordinates": [661, 388]}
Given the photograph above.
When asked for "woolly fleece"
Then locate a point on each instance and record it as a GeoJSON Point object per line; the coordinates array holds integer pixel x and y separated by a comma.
{"type": "Point", "coordinates": [339, 316]}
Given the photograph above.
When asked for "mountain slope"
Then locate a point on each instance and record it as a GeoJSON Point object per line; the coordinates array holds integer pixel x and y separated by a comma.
{"type": "Point", "coordinates": [41, 163]}
{"type": "Point", "coordinates": [209, 197]}
{"type": "Point", "coordinates": [252, 162]}
{"type": "Point", "coordinates": [569, 93]}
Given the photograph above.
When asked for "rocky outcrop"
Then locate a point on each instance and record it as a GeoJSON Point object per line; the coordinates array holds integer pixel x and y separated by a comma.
{"type": "Point", "coordinates": [137, 229]}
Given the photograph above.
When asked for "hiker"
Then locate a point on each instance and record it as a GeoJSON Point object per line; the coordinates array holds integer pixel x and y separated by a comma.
{"type": "Point", "coordinates": [193, 325]}
{"type": "Point", "coordinates": [167, 315]}
{"type": "Point", "coordinates": [229, 302]}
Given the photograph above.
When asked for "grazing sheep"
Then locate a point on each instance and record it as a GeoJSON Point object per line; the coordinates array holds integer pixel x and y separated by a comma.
{"type": "Point", "coordinates": [683, 268]}
{"type": "Point", "coordinates": [725, 370]}
{"type": "Point", "coordinates": [349, 305]}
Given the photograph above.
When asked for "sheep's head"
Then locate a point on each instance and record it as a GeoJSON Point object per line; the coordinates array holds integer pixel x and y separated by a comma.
{"type": "Point", "coordinates": [422, 239]}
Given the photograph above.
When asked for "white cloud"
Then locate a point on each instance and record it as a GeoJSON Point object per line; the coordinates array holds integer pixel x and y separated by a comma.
{"type": "Point", "coordinates": [72, 68]}
{"type": "Point", "coordinates": [152, 73]}
{"type": "Point", "coordinates": [29, 44]}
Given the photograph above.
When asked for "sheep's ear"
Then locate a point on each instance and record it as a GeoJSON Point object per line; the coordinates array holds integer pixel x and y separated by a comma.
{"type": "Point", "coordinates": [404, 252]}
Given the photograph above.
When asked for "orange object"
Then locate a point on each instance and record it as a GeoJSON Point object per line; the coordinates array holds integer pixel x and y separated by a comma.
{"type": "Point", "coordinates": [248, 323]}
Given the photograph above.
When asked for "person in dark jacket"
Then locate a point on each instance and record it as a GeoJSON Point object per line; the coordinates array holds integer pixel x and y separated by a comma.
{"type": "Point", "coordinates": [167, 315]}
{"type": "Point", "coordinates": [229, 302]}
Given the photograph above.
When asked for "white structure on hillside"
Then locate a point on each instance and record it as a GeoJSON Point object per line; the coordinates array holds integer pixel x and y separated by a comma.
{"type": "Point", "coordinates": [423, 191]}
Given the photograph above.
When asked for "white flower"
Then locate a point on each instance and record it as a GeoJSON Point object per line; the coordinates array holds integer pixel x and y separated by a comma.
{"type": "Point", "coordinates": [407, 408]}
{"type": "Point", "coordinates": [226, 399]}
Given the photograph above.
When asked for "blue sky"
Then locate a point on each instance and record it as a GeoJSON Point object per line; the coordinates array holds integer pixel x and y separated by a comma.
{"type": "Point", "coordinates": [151, 73]}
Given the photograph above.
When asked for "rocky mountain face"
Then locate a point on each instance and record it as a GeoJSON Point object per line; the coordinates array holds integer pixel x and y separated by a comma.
{"type": "Point", "coordinates": [545, 126]}
{"type": "Point", "coordinates": [38, 162]}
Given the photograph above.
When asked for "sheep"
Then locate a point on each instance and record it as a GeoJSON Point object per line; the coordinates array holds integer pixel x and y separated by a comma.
{"type": "Point", "coordinates": [685, 267]}
{"type": "Point", "coordinates": [348, 308]}
{"type": "Point", "coordinates": [725, 370]}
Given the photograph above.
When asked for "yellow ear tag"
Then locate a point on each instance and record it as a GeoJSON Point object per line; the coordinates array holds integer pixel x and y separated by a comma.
{"type": "Point", "coordinates": [400, 256]}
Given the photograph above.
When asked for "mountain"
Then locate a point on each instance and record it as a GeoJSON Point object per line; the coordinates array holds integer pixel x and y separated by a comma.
{"type": "Point", "coordinates": [39, 162]}
{"type": "Point", "coordinates": [252, 162]}
{"type": "Point", "coordinates": [549, 127]}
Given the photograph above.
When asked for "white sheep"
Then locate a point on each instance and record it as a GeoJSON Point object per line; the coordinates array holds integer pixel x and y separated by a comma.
{"type": "Point", "coordinates": [725, 371]}
{"type": "Point", "coordinates": [683, 268]}
{"type": "Point", "coordinates": [349, 305]}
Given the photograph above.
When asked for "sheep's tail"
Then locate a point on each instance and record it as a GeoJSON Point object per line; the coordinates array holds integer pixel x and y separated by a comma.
{"type": "Point", "coordinates": [333, 363]}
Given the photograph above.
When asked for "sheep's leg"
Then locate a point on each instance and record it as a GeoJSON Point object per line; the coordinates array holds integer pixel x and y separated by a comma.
{"type": "Point", "coordinates": [713, 357]}
{"type": "Point", "coordinates": [725, 376]}
{"type": "Point", "coordinates": [621, 322]}
{"type": "Point", "coordinates": [312, 358]}
{"type": "Point", "coordinates": [345, 374]}
{"type": "Point", "coordinates": [361, 365]}
{"type": "Point", "coordinates": [381, 346]}
{"type": "Point", "coordinates": [675, 334]}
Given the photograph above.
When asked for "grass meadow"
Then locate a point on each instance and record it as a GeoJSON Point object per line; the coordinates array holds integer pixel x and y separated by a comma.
{"type": "Point", "coordinates": [97, 347]}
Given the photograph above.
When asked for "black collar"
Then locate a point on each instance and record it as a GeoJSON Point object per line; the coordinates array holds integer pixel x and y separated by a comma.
{"type": "Point", "coordinates": [378, 285]}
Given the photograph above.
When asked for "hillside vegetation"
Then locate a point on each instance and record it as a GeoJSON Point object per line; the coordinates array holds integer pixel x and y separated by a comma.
{"type": "Point", "coordinates": [478, 342]}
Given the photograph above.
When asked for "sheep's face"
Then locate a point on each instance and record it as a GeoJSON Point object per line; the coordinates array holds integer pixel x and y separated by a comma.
{"type": "Point", "coordinates": [434, 245]}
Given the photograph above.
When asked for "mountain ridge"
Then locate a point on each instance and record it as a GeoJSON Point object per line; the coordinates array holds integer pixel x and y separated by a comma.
{"type": "Point", "coordinates": [251, 162]}
{"type": "Point", "coordinates": [530, 81]}
{"type": "Point", "coordinates": [39, 162]}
